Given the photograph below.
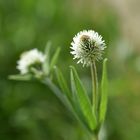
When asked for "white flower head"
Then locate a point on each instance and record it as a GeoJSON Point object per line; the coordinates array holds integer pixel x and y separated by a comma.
{"type": "Point", "coordinates": [87, 46]}
{"type": "Point", "coordinates": [32, 58]}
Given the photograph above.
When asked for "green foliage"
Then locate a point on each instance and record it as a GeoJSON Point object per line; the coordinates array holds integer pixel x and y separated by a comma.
{"type": "Point", "coordinates": [50, 61]}
{"type": "Point", "coordinates": [46, 65]}
{"type": "Point", "coordinates": [80, 103]}
{"type": "Point", "coordinates": [54, 58]}
{"type": "Point", "coordinates": [104, 93]}
{"type": "Point", "coordinates": [19, 77]}
{"type": "Point", "coordinates": [62, 83]}
{"type": "Point", "coordinates": [83, 99]}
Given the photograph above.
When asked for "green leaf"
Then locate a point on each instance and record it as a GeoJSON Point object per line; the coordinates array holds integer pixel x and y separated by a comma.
{"type": "Point", "coordinates": [104, 93]}
{"type": "Point", "coordinates": [62, 98]}
{"type": "Point", "coordinates": [54, 58]}
{"type": "Point", "coordinates": [62, 83]}
{"type": "Point", "coordinates": [83, 100]}
{"type": "Point", "coordinates": [76, 105]}
{"type": "Point", "coordinates": [19, 77]}
{"type": "Point", "coordinates": [46, 65]}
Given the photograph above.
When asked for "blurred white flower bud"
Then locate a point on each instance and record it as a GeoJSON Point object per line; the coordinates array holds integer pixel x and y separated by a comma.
{"type": "Point", "coordinates": [32, 58]}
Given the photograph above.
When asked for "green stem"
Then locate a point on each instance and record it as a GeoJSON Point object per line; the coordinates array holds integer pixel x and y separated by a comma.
{"type": "Point", "coordinates": [94, 87]}
{"type": "Point", "coordinates": [95, 137]}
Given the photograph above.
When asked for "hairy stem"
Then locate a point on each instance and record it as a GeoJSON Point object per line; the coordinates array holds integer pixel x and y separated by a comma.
{"type": "Point", "coordinates": [94, 87]}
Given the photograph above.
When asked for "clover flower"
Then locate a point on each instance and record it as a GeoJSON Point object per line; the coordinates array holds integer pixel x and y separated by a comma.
{"type": "Point", "coordinates": [87, 46]}
{"type": "Point", "coordinates": [30, 59]}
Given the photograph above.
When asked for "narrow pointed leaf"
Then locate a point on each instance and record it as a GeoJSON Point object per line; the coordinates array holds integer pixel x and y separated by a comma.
{"type": "Point", "coordinates": [104, 93]}
{"type": "Point", "coordinates": [20, 77]}
{"type": "Point", "coordinates": [62, 98]}
{"type": "Point", "coordinates": [75, 103]}
{"type": "Point", "coordinates": [54, 58]}
{"type": "Point", "coordinates": [62, 83]}
{"type": "Point", "coordinates": [83, 100]}
{"type": "Point", "coordinates": [46, 67]}
{"type": "Point", "coordinates": [65, 90]}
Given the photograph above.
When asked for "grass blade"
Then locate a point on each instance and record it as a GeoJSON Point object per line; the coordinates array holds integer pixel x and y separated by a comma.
{"type": "Point", "coordinates": [46, 65]}
{"type": "Point", "coordinates": [20, 77]}
{"type": "Point", "coordinates": [83, 99]}
{"type": "Point", "coordinates": [54, 58]}
{"type": "Point", "coordinates": [104, 93]}
{"type": "Point", "coordinates": [62, 83]}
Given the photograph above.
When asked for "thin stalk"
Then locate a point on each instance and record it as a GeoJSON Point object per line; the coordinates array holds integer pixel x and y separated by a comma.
{"type": "Point", "coordinates": [94, 87]}
{"type": "Point", "coordinates": [95, 137]}
{"type": "Point", "coordinates": [56, 91]}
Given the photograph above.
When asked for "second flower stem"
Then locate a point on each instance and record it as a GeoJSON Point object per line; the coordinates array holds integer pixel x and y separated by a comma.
{"type": "Point", "coordinates": [94, 87]}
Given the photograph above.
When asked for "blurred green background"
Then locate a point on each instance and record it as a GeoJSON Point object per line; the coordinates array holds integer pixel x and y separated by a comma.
{"type": "Point", "coordinates": [29, 110]}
